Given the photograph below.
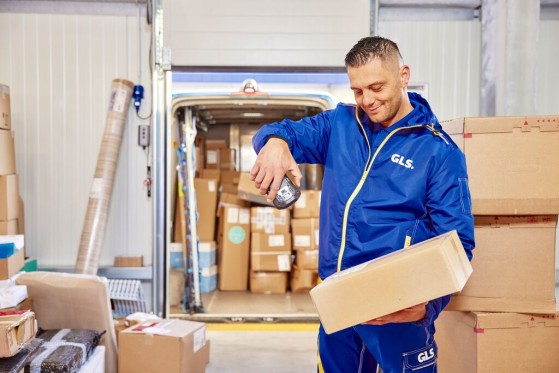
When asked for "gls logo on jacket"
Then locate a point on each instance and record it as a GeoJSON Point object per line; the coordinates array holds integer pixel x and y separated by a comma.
{"type": "Point", "coordinates": [399, 159]}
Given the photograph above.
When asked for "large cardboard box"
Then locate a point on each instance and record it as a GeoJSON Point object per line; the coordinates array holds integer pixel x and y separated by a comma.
{"type": "Point", "coordinates": [16, 329]}
{"type": "Point", "coordinates": [514, 266]}
{"type": "Point", "coordinates": [302, 280]}
{"type": "Point", "coordinates": [213, 150]}
{"type": "Point", "coordinates": [234, 246]}
{"type": "Point", "coordinates": [229, 199]}
{"type": "Point", "coordinates": [9, 197]}
{"type": "Point", "coordinates": [269, 220]}
{"type": "Point", "coordinates": [472, 342]}
{"type": "Point", "coordinates": [308, 204]}
{"type": "Point", "coordinates": [7, 153]}
{"type": "Point", "coordinates": [511, 163]}
{"type": "Point", "coordinates": [307, 259]}
{"type": "Point", "coordinates": [174, 346]}
{"type": "Point", "coordinates": [268, 282]}
{"type": "Point", "coordinates": [305, 233]}
{"type": "Point", "coordinates": [5, 113]}
{"type": "Point", "coordinates": [206, 202]}
{"type": "Point", "coordinates": [9, 227]}
{"type": "Point", "coordinates": [249, 192]}
{"type": "Point", "coordinates": [270, 252]}
{"type": "Point", "coordinates": [404, 278]}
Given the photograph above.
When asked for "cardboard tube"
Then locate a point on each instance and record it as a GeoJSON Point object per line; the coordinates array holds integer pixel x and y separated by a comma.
{"type": "Point", "coordinates": [96, 217]}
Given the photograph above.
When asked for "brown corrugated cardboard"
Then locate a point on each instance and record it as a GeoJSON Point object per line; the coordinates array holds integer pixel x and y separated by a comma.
{"type": "Point", "coordinates": [229, 199]}
{"type": "Point", "coordinates": [9, 197]}
{"type": "Point", "coordinates": [230, 177]}
{"type": "Point", "coordinates": [249, 192]}
{"type": "Point", "coordinates": [302, 280]}
{"type": "Point", "coordinates": [7, 153]}
{"type": "Point", "coordinates": [16, 329]}
{"type": "Point", "coordinates": [9, 227]}
{"type": "Point", "coordinates": [308, 204]}
{"type": "Point", "coordinates": [270, 252]}
{"type": "Point", "coordinates": [496, 342]}
{"type": "Point", "coordinates": [404, 278]}
{"type": "Point", "coordinates": [229, 188]}
{"type": "Point", "coordinates": [11, 265]}
{"type": "Point", "coordinates": [233, 252]}
{"type": "Point", "coordinates": [307, 259]}
{"type": "Point", "coordinates": [163, 346]}
{"type": "Point", "coordinates": [511, 163]}
{"type": "Point", "coordinates": [5, 113]}
{"type": "Point", "coordinates": [129, 261]}
{"type": "Point", "coordinates": [210, 174]}
{"type": "Point", "coordinates": [269, 220]}
{"type": "Point", "coordinates": [268, 282]}
{"type": "Point", "coordinates": [305, 234]}
{"type": "Point", "coordinates": [206, 202]}
{"type": "Point", "coordinates": [227, 159]}
{"type": "Point", "coordinates": [514, 266]}
{"type": "Point", "coordinates": [213, 150]}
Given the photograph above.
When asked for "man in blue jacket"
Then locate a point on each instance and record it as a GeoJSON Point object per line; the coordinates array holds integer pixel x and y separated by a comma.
{"type": "Point", "coordinates": [392, 178]}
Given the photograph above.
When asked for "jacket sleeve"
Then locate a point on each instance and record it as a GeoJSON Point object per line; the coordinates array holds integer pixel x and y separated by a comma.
{"type": "Point", "coordinates": [449, 207]}
{"type": "Point", "coordinates": [307, 138]}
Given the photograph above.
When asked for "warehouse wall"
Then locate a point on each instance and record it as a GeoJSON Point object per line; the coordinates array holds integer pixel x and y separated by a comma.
{"type": "Point", "coordinates": [59, 68]}
{"type": "Point", "coordinates": [547, 77]}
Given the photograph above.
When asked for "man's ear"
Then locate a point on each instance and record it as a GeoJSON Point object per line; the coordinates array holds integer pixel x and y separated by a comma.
{"type": "Point", "coordinates": [404, 75]}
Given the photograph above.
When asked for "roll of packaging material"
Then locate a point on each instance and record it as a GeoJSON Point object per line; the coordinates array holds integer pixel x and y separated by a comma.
{"type": "Point", "coordinates": [96, 217]}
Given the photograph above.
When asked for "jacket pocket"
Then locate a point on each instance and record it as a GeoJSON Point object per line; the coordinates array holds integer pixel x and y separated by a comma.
{"type": "Point", "coordinates": [422, 360]}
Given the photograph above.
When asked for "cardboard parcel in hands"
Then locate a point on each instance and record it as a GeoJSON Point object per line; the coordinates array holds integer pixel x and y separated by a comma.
{"type": "Point", "coordinates": [419, 273]}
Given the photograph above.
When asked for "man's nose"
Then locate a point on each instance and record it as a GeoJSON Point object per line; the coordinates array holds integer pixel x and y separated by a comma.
{"type": "Point", "coordinates": [368, 98]}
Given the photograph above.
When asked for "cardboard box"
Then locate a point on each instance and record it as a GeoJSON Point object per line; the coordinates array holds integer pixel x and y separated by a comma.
{"type": "Point", "coordinates": [249, 192]}
{"type": "Point", "coordinates": [10, 266]}
{"type": "Point", "coordinates": [514, 266]}
{"type": "Point", "coordinates": [213, 150]}
{"type": "Point", "coordinates": [210, 174]}
{"type": "Point", "coordinates": [233, 253]}
{"type": "Point", "coordinates": [308, 204]}
{"type": "Point", "coordinates": [26, 304]}
{"type": "Point", "coordinates": [9, 227]}
{"type": "Point", "coordinates": [5, 112]}
{"type": "Point", "coordinates": [307, 259]}
{"type": "Point", "coordinates": [206, 202]}
{"type": "Point", "coordinates": [7, 153]}
{"type": "Point", "coordinates": [305, 233]}
{"type": "Point", "coordinates": [496, 342]}
{"type": "Point", "coordinates": [129, 261]}
{"type": "Point", "coordinates": [269, 220]}
{"type": "Point", "coordinates": [230, 177]}
{"type": "Point", "coordinates": [270, 252]}
{"type": "Point", "coordinates": [16, 329]}
{"type": "Point", "coordinates": [404, 278]}
{"type": "Point", "coordinates": [227, 159]}
{"type": "Point", "coordinates": [303, 280]}
{"type": "Point", "coordinates": [164, 346]}
{"type": "Point", "coordinates": [9, 197]}
{"type": "Point", "coordinates": [511, 163]}
{"type": "Point", "coordinates": [268, 282]}
{"type": "Point", "coordinates": [230, 199]}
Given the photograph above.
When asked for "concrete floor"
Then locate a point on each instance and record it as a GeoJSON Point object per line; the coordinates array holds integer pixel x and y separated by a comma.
{"type": "Point", "coordinates": [262, 351]}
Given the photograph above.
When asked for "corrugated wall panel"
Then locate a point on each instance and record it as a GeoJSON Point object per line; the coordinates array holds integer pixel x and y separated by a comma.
{"type": "Point", "coordinates": [445, 56]}
{"type": "Point", "coordinates": [263, 32]}
{"type": "Point", "coordinates": [59, 69]}
{"type": "Point", "coordinates": [547, 101]}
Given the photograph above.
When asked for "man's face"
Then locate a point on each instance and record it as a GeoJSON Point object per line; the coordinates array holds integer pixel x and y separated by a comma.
{"type": "Point", "coordinates": [379, 89]}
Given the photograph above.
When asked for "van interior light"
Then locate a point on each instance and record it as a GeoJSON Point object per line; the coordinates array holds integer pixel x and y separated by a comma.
{"type": "Point", "coordinates": [253, 115]}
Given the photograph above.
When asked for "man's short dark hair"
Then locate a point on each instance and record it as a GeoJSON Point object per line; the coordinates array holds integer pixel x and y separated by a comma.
{"type": "Point", "coordinates": [369, 48]}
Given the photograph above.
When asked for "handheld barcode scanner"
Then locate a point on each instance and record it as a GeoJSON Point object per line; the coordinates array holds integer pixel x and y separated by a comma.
{"type": "Point", "coordinates": [287, 194]}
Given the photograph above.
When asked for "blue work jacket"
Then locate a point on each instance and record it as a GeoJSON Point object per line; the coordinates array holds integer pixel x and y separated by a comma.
{"type": "Point", "coordinates": [383, 188]}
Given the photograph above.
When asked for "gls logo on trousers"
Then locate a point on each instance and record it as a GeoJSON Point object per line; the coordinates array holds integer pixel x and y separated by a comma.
{"type": "Point", "coordinates": [426, 355]}
{"type": "Point", "coordinates": [399, 159]}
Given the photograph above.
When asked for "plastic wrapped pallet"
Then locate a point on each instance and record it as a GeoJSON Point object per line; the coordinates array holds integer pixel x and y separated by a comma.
{"type": "Point", "coordinates": [62, 351]}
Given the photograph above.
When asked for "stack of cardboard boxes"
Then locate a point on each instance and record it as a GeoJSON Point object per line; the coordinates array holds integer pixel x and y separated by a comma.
{"type": "Point", "coordinates": [11, 205]}
{"type": "Point", "coordinates": [254, 241]}
{"type": "Point", "coordinates": [505, 318]}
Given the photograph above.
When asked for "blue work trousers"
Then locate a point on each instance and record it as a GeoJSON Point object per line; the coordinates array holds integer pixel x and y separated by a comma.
{"type": "Point", "coordinates": [396, 347]}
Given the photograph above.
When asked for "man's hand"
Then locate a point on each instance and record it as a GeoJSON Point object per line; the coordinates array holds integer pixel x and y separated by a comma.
{"type": "Point", "coordinates": [410, 314]}
{"type": "Point", "coordinates": [273, 161]}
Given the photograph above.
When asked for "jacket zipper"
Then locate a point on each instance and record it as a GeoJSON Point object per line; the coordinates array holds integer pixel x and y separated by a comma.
{"type": "Point", "coordinates": [357, 189]}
